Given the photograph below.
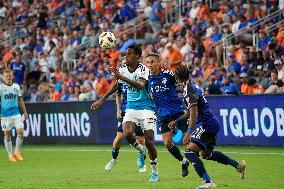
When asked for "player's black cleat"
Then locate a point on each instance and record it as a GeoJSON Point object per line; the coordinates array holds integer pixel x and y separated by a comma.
{"type": "Point", "coordinates": [184, 169]}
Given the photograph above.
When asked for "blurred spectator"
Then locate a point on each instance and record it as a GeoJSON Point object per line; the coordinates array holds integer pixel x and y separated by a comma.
{"type": "Point", "coordinates": [42, 17]}
{"type": "Point", "coordinates": [280, 68]}
{"type": "Point", "coordinates": [174, 58]}
{"type": "Point", "coordinates": [276, 89]}
{"type": "Point", "coordinates": [229, 87]}
{"type": "Point", "coordinates": [233, 65]}
{"type": "Point", "coordinates": [267, 82]}
{"type": "Point", "coordinates": [212, 88]}
{"type": "Point", "coordinates": [54, 95]}
{"type": "Point", "coordinates": [126, 43]}
{"type": "Point", "coordinates": [156, 16]}
{"type": "Point", "coordinates": [19, 69]}
{"type": "Point", "coordinates": [194, 10]}
{"type": "Point", "coordinates": [64, 93]}
{"type": "Point", "coordinates": [263, 40]}
{"type": "Point", "coordinates": [126, 12]}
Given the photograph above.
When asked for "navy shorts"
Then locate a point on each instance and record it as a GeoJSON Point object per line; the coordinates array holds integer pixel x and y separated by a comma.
{"type": "Point", "coordinates": [205, 139]}
{"type": "Point", "coordinates": [138, 130]}
{"type": "Point", "coordinates": [163, 123]}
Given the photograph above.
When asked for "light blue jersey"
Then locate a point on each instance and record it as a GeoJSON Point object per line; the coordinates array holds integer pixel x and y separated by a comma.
{"type": "Point", "coordinates": [10, 99]}
{"type": "Point", "coordinates": [137, 99]}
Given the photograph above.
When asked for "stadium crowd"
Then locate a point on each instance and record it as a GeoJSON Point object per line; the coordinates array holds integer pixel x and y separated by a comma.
{"type": "Point", "coordinates": [52, 63]}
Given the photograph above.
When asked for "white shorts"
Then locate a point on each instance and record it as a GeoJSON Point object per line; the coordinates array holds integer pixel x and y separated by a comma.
{"type": "Point", "coordinates": [8, 123]}
{"type": "Point", "coordinates": [146, 119]}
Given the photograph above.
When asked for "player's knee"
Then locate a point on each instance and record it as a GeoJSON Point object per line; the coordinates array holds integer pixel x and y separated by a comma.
{"type": "Point", "coordinates": [20, 132]}
{"type": "Point", "coordinates": [168, 143]}
{"type": "Point", "coordinates": [206, 154]}
{"type": "Point", "coordinates": [7, 138]}
{"type": "Point", "coordinates": [20, 136]}
{"type": "Point", "coordinates": [149, 142]}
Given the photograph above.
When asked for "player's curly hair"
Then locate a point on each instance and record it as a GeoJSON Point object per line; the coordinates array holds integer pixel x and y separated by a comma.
{"type": "Point", "coordinates": [137, 50]}
{"type": "Point", "coordinates": [182, 73]}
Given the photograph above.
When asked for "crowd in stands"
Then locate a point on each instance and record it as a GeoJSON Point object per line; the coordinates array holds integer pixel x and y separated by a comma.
{"type": "Point", "coordinates": [52, 63]}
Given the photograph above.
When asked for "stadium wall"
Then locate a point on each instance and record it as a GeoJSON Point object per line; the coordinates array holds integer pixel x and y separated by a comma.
{"type": "Point", "coordinates": [245, 120]}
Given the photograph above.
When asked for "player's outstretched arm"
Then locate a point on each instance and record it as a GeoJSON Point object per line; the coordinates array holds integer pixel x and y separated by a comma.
{"type": "Point", "coordinates": [118, 105]}
{"type": "Point", "coordinates": [193, 114]}
{"type": "Point", "coordinates": [100, 102]}
{"type": "Point", "coordinates": [136, 84]}
{"type": "Point", "coordinates": [23, 107]}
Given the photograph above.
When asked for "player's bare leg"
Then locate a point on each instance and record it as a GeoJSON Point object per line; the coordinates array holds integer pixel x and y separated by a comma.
{"type": "Point", "coordinates": [19, 143]}
{"type": "Point", "coordinates": [9, 145]}
{"type": "Point", "coordinates": [115, 150]}
{"type": "Point", "coordinates": [128, 131]}
{"type": "Point", "coordinates": [168, 142]}
{"type": "Point", "coordinates": [149, 143]}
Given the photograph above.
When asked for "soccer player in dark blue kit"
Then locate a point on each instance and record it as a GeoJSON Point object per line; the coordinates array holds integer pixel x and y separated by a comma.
{"type": "Point", "coordinates": [162, 88]}
{"type": "Point", "coordinates": [201, 141]}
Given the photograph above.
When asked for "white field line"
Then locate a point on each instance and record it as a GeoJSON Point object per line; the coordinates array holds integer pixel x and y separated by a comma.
{"type": "Point", "coordinates": [160, 151]}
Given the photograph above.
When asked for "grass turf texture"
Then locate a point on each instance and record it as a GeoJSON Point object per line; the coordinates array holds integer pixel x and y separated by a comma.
{"type": "Point", "coordinates": [82, 166]}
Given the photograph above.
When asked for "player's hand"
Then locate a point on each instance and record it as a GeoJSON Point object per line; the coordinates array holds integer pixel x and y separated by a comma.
{"type": "Point", "coordinates": [186, 138]}
{"type": "Point", "coordinates": [26, 116]}
{"type": "Point", "coordinates": [97, 104]}
{"type": "Point", "coordinates": [118, 114]}
{"type": "Point", "coordinates": [172, 124]}
{"type": "Point", "coordinates": [115, 72]}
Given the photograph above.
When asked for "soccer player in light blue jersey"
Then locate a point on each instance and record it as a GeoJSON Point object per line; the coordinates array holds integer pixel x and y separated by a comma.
{"type": "Point", "coordinates": [11, 100]}
{"type": "Point", "coordinates": [121, 99]}
{"type": "Point", "coordinates": [140, 109]}
{"type": "Point", "coordinates": [201, 141]}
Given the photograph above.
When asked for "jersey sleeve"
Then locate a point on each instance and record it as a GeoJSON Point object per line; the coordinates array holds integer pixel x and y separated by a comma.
{"type": "Point", "coordinates": [18, 90]}
{"type": "Point", "coordinates": [191, 96]}
{"type": "Point", "coordinates": [144, 73]}
{"type": "Point", "coordinates": [121, 71]}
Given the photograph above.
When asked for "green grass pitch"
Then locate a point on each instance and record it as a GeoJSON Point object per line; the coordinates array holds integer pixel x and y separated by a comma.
{"type": "Point", "coordinates": [82, 166]}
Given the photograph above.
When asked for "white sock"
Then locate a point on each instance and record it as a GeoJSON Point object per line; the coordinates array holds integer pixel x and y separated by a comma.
{"type": "Point", "coordinates": [154, 165]}
{"type": "Point", "coordinates": [19, 142]}
{"type": "Point", "coordinates": [8, 145]}
{"type": "Point", "coordinates": [183, 161]}
{"type": "Point", "coordinates": [139, 147]}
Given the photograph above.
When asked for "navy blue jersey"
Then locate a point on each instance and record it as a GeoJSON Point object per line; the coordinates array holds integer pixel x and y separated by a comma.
{"type": "Point", "coordinates": [194, 95]}
{"type": "Point", "coordinates": [123, 91]}
{"type": "Point", "coordinates": [163, 91]}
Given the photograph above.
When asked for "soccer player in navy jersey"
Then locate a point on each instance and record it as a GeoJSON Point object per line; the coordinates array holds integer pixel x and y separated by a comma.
{"type": "Point", "coordinates": [162, 89]}
{"type": "Point", "coordinates": [203, 139]}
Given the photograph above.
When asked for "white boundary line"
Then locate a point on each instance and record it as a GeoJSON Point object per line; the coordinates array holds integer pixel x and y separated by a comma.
{"type": "Point", "coordinates": [160, 151]}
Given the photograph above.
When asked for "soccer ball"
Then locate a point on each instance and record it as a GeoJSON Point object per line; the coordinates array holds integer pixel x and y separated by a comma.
{"type": "Point", "coordinates": [107, 40]}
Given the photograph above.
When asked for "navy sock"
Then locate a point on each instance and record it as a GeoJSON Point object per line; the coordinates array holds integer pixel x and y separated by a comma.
{"type": "Point", "coordinates": [115, 153]}
{"type": "Point", "coordinates": [197, 164]}
{"type": "Point", "coordinates": [222, 158]}
{"type": "Point", "coordinates": [175, 152]}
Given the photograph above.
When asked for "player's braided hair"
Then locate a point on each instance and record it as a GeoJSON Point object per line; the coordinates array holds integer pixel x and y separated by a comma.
{"type": "Point", "coordinates": [182, 73]}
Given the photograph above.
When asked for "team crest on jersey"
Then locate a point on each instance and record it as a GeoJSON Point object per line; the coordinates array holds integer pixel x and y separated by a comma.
{"type": "Point", "coordinates": [164, 81]}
